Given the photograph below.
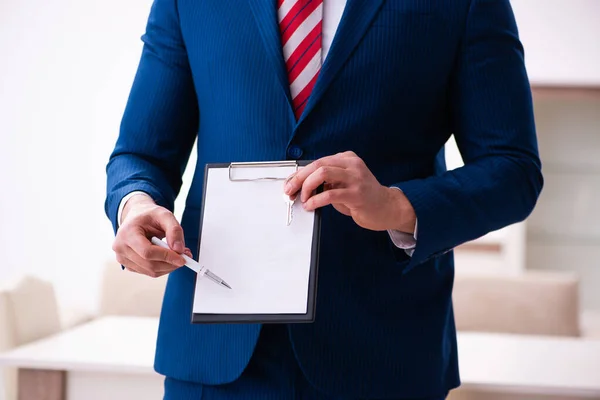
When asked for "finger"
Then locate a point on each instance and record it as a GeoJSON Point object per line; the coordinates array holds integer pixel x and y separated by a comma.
{"type": "Point", "coordinates": [342, 209]}
{"type": "Point", "coordinates": [146, 267]}
{"type": "Point", "coordinates": [127, 263]}
{"type": "Point", "coordinates": [335, 196]}
{"type": "Point", "coordinates": [134, 267]}
{"type": "Point", "coordinates": [335, 175]}
{"type": "Point", "coordinates": [188, 252]}
{"type": "Point", "coordinates": [153, 269]}
{"type": "Point", "coordinates": [295, 182]}
{"type": "Point", "coordinates": [148, 251]}
{"type": "Point", "coordinates": [173, 231]}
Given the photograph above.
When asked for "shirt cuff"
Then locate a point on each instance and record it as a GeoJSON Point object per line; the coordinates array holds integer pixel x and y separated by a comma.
{"type": "Point", "coordinates": [403, 240]}
{"type": "Point", "coordinates": [124, 201]}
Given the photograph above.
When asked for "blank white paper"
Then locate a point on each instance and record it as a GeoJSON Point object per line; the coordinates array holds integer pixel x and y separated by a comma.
{"type": "Point", "coordinates": [245, 241]}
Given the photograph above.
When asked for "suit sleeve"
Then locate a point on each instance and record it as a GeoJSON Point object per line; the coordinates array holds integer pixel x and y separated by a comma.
{"type": "Point", "coordinates": [160, 121]}
{"type": "Point", "coordinates": [493, 123]}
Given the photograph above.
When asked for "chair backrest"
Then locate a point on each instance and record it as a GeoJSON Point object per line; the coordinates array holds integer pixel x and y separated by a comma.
{"type": "Point", "coordinates": [131, 294]}
{"type": "Point", "coordinates": [537, 303]}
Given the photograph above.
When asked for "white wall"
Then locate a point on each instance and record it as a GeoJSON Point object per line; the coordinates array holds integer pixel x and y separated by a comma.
{"type": "Point", "coordinates": [65, 74]}
{"type": "Point", "coordinates": [65, 71]}
{"type": "Point", "coordinates": [564, 229]}
{"type": "Point", "coordinates": [561, 39]}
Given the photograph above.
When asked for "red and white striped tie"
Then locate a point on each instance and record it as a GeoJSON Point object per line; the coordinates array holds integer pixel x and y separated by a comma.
{"type": "Point", "coordinates": [300, 24]}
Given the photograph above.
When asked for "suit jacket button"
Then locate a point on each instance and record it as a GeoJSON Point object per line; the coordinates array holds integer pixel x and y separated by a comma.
{"type": "Point", "coordinates": [295, 152]}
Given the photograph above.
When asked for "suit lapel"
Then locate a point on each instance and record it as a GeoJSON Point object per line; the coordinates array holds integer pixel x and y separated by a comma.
{"type": "Point", "coordinates": [355, 21]}
{"type": "Point", "coordinates": [265, 14]}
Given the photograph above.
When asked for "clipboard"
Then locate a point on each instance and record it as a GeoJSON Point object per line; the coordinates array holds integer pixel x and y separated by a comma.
{"type": "Point", "coordinates": [244, 239]}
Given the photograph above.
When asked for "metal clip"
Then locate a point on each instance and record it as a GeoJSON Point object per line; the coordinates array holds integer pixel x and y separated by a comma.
{"type": "Point", "coordinates": [259, 165]}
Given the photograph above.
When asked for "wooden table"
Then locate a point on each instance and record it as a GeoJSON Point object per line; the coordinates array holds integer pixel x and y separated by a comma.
{"type": "Point", "coordinates": [112, 358]}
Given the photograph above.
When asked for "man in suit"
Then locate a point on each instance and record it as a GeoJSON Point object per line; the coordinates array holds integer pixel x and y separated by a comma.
{"type": "Point", "coordinates": [371, 90]}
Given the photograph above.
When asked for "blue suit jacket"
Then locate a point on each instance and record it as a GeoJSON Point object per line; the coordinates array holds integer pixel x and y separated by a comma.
{"type": "Point", "coordinates": [400, 78]}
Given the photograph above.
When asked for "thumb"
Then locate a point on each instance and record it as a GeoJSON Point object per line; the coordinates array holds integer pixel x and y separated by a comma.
{"type": "Point", "coordinates": [173, 231]}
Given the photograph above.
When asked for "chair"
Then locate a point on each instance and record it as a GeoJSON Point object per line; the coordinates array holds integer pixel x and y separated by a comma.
{"type": "Point", "coordinates": [128, 293]}
{"type": "Point", "coordinates": [535, 302]}
{"type": "Point", "coordinates": [28, 312]}
{"type": "Point", "coordinates": [531, 303]}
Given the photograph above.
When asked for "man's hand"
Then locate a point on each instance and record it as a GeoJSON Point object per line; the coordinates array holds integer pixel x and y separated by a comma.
{"type": "Point", "coordinates": [351, 188]}
{"type": "Point", "coordinates": [142, 219]}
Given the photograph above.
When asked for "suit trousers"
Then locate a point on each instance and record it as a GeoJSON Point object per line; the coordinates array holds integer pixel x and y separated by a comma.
{"type": "Point", "coordinates": [272, 374]}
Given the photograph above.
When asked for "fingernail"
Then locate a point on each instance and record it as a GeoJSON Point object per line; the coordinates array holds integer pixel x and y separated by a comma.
{"type": "Point", "coordinates": [178, 246]}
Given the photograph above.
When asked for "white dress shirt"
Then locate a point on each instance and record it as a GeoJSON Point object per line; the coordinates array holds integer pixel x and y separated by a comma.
{"type": "Point", "coordinates": [332, 14]}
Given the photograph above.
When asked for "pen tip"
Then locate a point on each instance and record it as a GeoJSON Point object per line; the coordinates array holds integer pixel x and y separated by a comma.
{"type": "Point", "coordinates": [226, 285]}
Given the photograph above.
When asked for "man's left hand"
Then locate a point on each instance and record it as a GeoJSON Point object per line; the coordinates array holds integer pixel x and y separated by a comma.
{"type": "Point", "coordinates": [352, 189]}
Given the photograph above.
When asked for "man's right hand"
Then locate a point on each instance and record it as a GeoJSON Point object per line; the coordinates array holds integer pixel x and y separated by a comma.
{"type": "Point", "coordinates": [140, 220]}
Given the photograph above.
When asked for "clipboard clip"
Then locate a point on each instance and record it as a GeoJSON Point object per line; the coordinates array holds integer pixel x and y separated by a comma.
{"type": "Point", "coordinates": [259, 164]}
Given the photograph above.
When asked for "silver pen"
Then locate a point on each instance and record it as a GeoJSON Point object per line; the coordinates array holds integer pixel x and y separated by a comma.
{"type": "Point", "coordinates": [193, 265]}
